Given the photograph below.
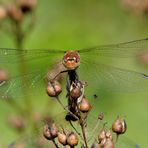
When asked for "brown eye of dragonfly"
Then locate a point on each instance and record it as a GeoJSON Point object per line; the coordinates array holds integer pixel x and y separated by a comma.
{"type": "Point", "coordinates": [71, 60]}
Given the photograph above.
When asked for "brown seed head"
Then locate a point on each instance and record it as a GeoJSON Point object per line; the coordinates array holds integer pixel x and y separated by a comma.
{"type": "Point", "coordinates": [95, 145]}
{"type": "Point", "coordinates": [101, 116]}
{"type": "Point", "coordinates": [50, 131]}
{"type": "Point", "coordinates": [102, 135]}
{"type": "Point", "coordinates": [119, 126]}
{"type": "Point", "coordinates": [62, 138]}
{"type": "Point", "coordinates": [26, 5]}
{"type": "Point", "coordinates": [3, 75]}
{"type": "Point", "coordinates": [109, 135]}
{"type": "Point", "coordinates": [14, 13]}
{"type": "Point", "coordinates": [72, 139]}
{"type": "Point", "coordinates": [108, 143]}
{"type": "Point", "coordinates": [85, 105]}
{"type": "Point", "coordinates": [75, 93]}
{"type": "Point", "coordinates": [54, 89]}
{"type": "Point", "coordinates": [144, 58]}
{"type": "Point", "coordinates": [3, 13]}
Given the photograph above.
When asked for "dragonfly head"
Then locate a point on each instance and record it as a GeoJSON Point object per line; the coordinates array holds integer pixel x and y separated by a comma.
{"type": "Point", "coordinates": [71, 60]}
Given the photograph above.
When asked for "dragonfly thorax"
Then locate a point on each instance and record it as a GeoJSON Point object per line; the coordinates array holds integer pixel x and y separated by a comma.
{"type": "Point", "coordinates": [71, 60]}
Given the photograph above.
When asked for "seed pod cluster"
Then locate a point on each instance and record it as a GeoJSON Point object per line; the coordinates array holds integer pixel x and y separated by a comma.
{"type": "Point", "coordinates": [50, 131]}
{"type": "Point", "coordinates": [105, 139]}
{"type": "Point", "coordinates": [69, 138]}
{"type": "Point", "coordinates": [16, 11]}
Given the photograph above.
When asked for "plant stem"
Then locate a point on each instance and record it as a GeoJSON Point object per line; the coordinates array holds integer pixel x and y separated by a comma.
{"type": "Point", "coordinates": [19, 39]}
{"type": "Point", "coordinates": [83, 132]}
{"type": "Point", "coordinates": [56, 145]}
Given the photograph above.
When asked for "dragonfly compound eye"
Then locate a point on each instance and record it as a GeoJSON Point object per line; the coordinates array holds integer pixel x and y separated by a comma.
{"type": "Point", "coordinates": [71, 60]}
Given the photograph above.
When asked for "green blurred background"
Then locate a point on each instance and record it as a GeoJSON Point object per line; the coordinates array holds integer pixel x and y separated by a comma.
{"type": "Point", "coordinates": [75, 24]}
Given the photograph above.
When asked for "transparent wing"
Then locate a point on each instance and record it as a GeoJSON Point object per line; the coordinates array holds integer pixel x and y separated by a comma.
{"type": "Point", "coordinates": [113, 68]}
{"type": "Point", "coordinates": [26, 69]}
{"type": "Point", "coordinates": [9, 54]}
{"type": "Point", "coordinates": [101, 76]}
{"type": "Point", "coordinates": [34, 59]}
{"type": "Point", "coordinates": [127, 49]}
{"type": "Point", "coordinates": [15, 88]}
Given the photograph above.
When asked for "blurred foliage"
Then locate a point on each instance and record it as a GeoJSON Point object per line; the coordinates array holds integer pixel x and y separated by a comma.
{"type": "Point", "coordinates": [69, 24]}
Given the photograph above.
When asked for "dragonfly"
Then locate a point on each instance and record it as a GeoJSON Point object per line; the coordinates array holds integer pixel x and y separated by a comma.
{"type": "Point", "coordinates": [98, 66]}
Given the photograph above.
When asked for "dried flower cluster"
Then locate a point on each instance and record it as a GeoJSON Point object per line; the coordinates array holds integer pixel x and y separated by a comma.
{"type": "Point", "coordinates": [16, 11]}
{"type": "Point", "coordinates": [138, 7]}
{"type": "Point", "coordinates": [77, 111]}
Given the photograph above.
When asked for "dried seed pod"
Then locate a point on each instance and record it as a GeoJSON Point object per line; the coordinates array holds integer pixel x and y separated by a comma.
{"type": "Point", "coordinates": [109, 135]}
{"type": "Point", "coordinates": [119, 126]}
{"type": "Point", "coordinates": [101, 116]}
{"type": "Point", "coordinates": [14, 13]}
{"type": "Point", "coordinates": [108, 143]}
{"type": "Point", "coordinates": [72, 139]}
{"type": "Point", "coordinates": [144, 58]}
{"type": "Point", "coordinates": [3, 13]}
{"type": "Point", "coordinates": [84, 105]}
{"type": "Point", "coordinates": [26, 5]}
{"type": "Point", "coordinates": [54, 89]}
{"type": "Point", "coordinates": [3, 75]}
{"type": "Point", "coordinates": [54, 130]}
{"type": "Point", "coordinates": [102, 135]}
{"type": "Point", "coordinates": [47, 133]}
{"type": "Point", "coordinates": [50, 131]}
{"type": "Point", "coordinates": [17, 122]}
{"type": "Point", "coordinates": [62, 138]}
{"type": "Point", "coordinates": [95, 145]}
{"type": "Point", "coordinates": [18, 145]}
{"type": "Point", "coordinates": [75, 93]}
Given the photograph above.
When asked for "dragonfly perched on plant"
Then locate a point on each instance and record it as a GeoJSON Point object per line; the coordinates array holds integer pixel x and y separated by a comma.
{"type": "Point", "coordinates": [93, 65]}
{"type": "Point", "coordinates": [101, 67]}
